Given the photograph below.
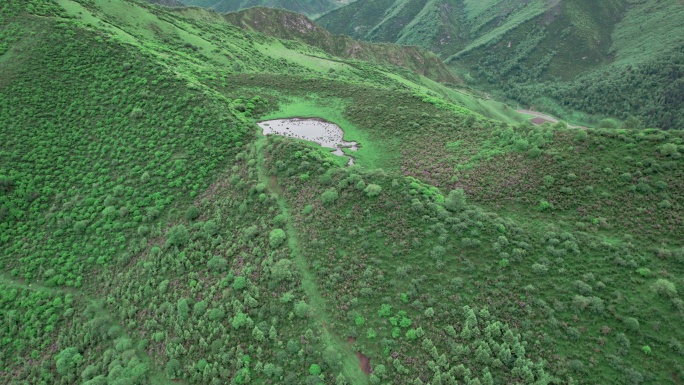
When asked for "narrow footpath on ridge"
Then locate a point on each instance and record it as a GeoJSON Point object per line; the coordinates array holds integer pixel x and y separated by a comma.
{"type": "Point", "coordinates": [349, 361]}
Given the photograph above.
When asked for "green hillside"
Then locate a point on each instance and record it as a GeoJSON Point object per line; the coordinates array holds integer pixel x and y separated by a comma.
{"type": "Point", "coordinates": [308, 7]}
{"type": "Point", "coordinates": [293, 26]}
{"type": "Point", "coordinates": [604, 59]}
{"type": "Point", "coordinates": [150, 234]}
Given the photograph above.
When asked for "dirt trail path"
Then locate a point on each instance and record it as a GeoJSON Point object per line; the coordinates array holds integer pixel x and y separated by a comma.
{"type": "Point", "coordinates": [349, 361]}
{"type": "Point", "coordinates": [542, 116]}
{"type": "Point", "coordinates": [21, 283]}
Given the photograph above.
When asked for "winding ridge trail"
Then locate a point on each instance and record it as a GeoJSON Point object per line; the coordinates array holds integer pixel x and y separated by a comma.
{"type": "Point", "coordinates": [349, 360]}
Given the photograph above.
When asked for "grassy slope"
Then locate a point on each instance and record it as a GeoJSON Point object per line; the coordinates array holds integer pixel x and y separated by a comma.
{"type": "Point", "coordinates": [292, 26]}
{"type": "Point", "coordinates": [158, 118]}
{"type": "Point", "coordinates": [308, 7]}
{"type": "Point", "coordinates": [564, 56]}
{"type": "Point", "coordinates": [613, 207]}
{"type": "Point", "coordinates": [429, 69]}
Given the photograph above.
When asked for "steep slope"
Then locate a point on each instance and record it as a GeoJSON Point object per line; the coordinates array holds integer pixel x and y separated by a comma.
{"type": "Point", "coordinates": [293, 26]}
{"type": "Point", "coordinates": [308, 7]}
{"type": "Point", "coordinates": [150, 234]}
{"type": "Point", "coordinates": [167, 3]}
{"type": "Point", "coordinates": [533, 50]}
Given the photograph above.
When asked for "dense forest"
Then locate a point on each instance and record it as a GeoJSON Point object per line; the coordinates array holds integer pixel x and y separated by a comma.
{"type": "Point", "coordinates": [150, 234]}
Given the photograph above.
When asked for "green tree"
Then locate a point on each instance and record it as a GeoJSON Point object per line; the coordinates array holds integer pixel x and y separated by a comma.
{"type": "Point", "coordinates": [385, 310]}
{"type": "Point", "coordinates": [456, 200]}
{"type": "Point", "coordinates": [239, 283]}
{"type": "Point", "coordinates": [632, 123]}
{"type": "Point", "coordinates": [314, 369]}
{"type": "Point", "coordinates": [183, 310]}
{"type": "Point", "coordinates": [258, 334]}
{"type": "Point", "coordinates": [172, 368]}
{"type": "Point", "coordinates": [664, 288]}
{"type": "Point", "coordinates": [217, 263]}
{"type": "Point", "coordinates": [177, 236]}
{"type": "Point", "coordinates": [199, 308]}
{"type": "Point", "coordinates": [329, 196]}
{"type": "Point", "coordinates": [282, 270]}
{"type": "Point", "coordinates": [192, 213]}
{"type": "Point", "coordinates": [67, 359]}
{"type": "Point", "coordinates": [372, 190]}
{"type": "Point", "coordinates": [301, 309]}
{"type": "Point", "coordinates": [277, 237]}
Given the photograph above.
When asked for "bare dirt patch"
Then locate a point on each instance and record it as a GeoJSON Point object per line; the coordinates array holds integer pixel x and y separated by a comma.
{"type": "Point", "coordinates": [539, 121]}
{"type": "Point", "coordinates": [364, 363]}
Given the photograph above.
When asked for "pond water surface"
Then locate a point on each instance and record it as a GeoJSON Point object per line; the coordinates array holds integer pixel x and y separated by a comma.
{"type": "Point", "coordinates": [326, 134]}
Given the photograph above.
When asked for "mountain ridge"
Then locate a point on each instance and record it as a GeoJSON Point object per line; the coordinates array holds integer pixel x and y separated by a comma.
{"type": "Point", "coordinates": [308, 7]}
{"type": "Point", "coordinates": [532, 51]}
{"type": "Point", "coordinates": [293, 26]}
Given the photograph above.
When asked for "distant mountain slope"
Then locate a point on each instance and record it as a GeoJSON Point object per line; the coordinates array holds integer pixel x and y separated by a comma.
{"type": "Point", "coordinates": [308, 7]}
{"type": "Point", "coordinates": [293, 26]}
{"type": "Point", "coordinates": [167, 3]}
{"type": "Point", "coordinates": [513, 46]}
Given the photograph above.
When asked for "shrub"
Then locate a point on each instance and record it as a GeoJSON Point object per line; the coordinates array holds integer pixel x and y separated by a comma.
{"type": "Point", "coordinates": [545, 205]}
{"type": "Point", "coordinates": [67, 359]}
{"type": "Point", "coordinates": [217, 263]}
{"type": "Point", "coordinates": [631, 323]}
{"type": "Point", "coordinates": [534, 152]}
{"type": "Point", "coordinates": [583, 287]}
{"type": "Point", "coordinates": [329, 196]}
{"type": "Point", "coordinates": [385, 310]}
{"type": "Point", "coordinates": [277, 237]}
{"type": "Point", "coordinates": [172, 368]}
{"type": "Point", "coordinates": [239, 283]}
{"type": "Point", "coordinates": [81, 226]}
{"type": "Point", "coordinates": [521, 145]}
{"type": "Point", "coordinates": [372, 190]}
{"type": "Point", "coordinates": [6, 184]}
{"type": "Point", "coordinates": [301, 309]}
{"type": "Point", "coordinates": [192, 213]}
{"type": "Point", "coordinates": [216, 314]}
{"type": "Point", "coordinates": [314, 370]}
{"type": "Point", "coordinates": [669, 149]}
{"type": "Point", "coordinates": [664, 288]}
{"type": "Point", "coordinates": [250, 232]}
{"type": "Point", "coordinates": [539, 268]}
{"type": "Point", "coordinates": [282, 270]}
{"type": "Point", "coordinates": [456, 200]}
{"type": "Point", "coordinates": [580, 135]}
{"type": "Point", "coordinates": [177, 236]}
{"type": "Point", "coordinates": [209, 228]}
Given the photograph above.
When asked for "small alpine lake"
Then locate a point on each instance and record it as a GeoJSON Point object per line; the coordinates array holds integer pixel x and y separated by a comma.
{"type": "Point", "coordinates": [316, 130]}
